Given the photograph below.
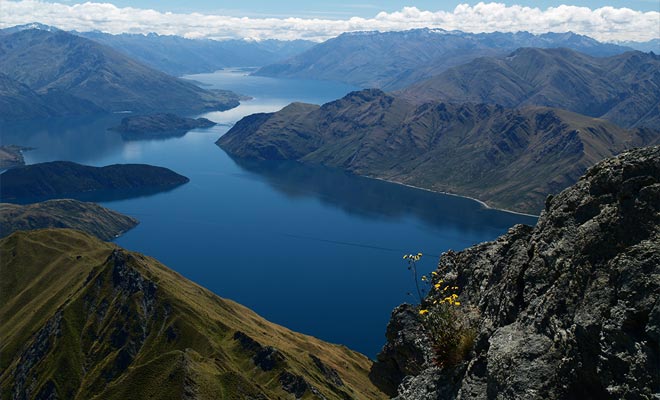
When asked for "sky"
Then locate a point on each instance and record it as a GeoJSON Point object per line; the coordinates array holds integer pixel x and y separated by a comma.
{"type": "Point", "coordinates": [606, 20]}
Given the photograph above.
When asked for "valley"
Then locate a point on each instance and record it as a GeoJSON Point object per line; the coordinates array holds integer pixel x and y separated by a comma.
{"type": "Point", "coordinates": [302, 206]}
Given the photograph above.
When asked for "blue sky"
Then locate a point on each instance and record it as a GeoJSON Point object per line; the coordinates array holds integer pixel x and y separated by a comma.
{"type": "Point", "coordinates": [343, 9]}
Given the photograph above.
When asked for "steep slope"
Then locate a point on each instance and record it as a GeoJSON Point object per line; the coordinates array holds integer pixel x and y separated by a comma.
{"type": "Point", "coordinates": [62, 178]}
{"type": "Point", "coordinates": [392, 60]}
{"type": "Point", "coordinates": [105, 323]}
{"type": "Point", "coordinates": [624, 89]}
{"type": "Point", "coordinates": [508, 158]}
{"type": "Point", "coordinates": [56, 62]}
{"type": "Point", "coordinates": [565, 310]}
{"type": "Point", "coordinates": [91, 218]}
{"type": "Point", "coordinates": [178, 56]}
{"type": "Point", "coordinates": [18, 101]}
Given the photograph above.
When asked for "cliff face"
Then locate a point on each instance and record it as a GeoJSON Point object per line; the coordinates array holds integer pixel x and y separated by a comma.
{"type": "Point", "coordinates": [84, 319]}
{"type": "Point", "coordinates": [568, 309]}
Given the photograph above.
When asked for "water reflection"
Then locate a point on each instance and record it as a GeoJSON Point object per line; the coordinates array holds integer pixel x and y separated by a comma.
{"type": "Point", "coordinates": [374, 198]}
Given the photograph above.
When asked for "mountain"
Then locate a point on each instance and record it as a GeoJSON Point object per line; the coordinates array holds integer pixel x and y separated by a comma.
{"type": "Point", "coordinates": [91, 218]}
{"type": "Point", "coordinates": [652, 45]}
{"type": "Point", "coordinates": [178, 56]}
{"type": "Point", "coordinates": [107, 323]}
{"type": "Point", "coordinates": [18, 101]}
{"type": "Point", "coordinates": [64, 178]}
{"type": "Point", "coordinates": [70, 74]}
{"type": "Point", "coordinates": [508, 158]}
{"type": "Point", "coordinates": [393, 60]}
{"type": "Point", "coordinates": [624, 89]}
{"type": "Point", "coordinates": [24, 27]}
{"type": "Point", "coordinates": [567, 309]}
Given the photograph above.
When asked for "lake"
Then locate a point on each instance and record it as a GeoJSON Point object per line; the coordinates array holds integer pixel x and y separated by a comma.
{"type": "Point", "coordinates": [314, 249]}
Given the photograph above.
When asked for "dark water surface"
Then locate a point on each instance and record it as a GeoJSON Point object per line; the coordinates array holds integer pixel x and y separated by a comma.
{"type": "Point", "coordinates": [314, 249]}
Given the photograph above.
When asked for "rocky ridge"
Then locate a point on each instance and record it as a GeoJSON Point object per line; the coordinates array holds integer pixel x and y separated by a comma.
{"type": "Point", "coordinates": [567, 309]}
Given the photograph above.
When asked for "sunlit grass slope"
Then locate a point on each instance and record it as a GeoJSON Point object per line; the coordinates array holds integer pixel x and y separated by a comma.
{"type": "Point", "coordinates": [84, 319]}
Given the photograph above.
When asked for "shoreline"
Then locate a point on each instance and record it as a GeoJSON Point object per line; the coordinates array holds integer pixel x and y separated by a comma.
{"type": "Point", "coordinates": [483, 203]}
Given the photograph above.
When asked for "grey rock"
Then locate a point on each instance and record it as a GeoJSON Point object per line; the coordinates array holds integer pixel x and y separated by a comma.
{"type": "Point", "coordinates": [568, 309]}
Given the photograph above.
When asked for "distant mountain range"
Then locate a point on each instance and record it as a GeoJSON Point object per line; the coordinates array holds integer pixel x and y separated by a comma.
{"type": "Point", "coordinates": [51, 72]}
{"type": "Point", "coordinates": [509, 158]}
{"type": "Point", "coordinates": [393, 60]}
{"type": "Point", "coordinates": [86, 319]}
{"type": "Point", "coordinates": [652, 45]}
{"type": "Point", "coordinates": [624, 89]}
{"type": "Point", "coordinates": [178, 56]}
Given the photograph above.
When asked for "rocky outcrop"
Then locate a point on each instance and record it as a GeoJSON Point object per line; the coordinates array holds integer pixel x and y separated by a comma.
{"type": "Point", "coordinates": [568, 309]}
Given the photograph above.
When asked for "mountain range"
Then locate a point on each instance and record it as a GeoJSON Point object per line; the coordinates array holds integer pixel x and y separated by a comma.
{"type": "Point", "coordinates": [178, 56]}
{"type": "Point", "coordinates": [393, 60]}
{"type": "Point", "coordinates": [86, 319]}
{"type": "Point", "coordinates": [624, 88]}
{"type": "Point", "coordinates": [51, 72]}
{"type": "Point", "coordinates": [509, 158]}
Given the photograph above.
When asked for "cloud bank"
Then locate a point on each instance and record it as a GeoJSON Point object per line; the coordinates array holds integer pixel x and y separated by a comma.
{"type": "Point", "coordinates": [605, 23]}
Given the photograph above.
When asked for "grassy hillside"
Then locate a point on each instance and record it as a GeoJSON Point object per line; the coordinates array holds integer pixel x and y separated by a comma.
{"type": "Point", "coordinates": [506, 157]}
{"type": "Point", "coordinates": [87, 217]}
{"type": "Point", "coordinates": [83, 319]}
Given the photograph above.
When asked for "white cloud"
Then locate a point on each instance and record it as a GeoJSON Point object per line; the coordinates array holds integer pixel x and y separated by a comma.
{"type": "Point", "coordinates": [605, 23]}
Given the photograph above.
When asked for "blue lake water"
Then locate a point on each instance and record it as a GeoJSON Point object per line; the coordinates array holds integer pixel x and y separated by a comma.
{"type": "Point", "coordinates": [311, 248]}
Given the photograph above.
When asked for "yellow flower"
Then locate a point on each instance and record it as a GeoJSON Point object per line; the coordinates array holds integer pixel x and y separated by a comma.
{"type": "Point", "coordinates": [437, 286]}
{"type": "Point", "coordinates": [422, 312]}
{"type": "Point", "coordinates": [434, 273]}
{"type": "Point", "coordinates": [457, 303]}
{"type": "Point", "coordinates": [424, 277]}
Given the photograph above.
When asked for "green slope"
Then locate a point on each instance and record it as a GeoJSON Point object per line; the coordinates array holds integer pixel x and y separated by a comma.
{"type": "Point", "coordinates": [67, 213]}
{"type": "Point", "coordinates": [83, 319]}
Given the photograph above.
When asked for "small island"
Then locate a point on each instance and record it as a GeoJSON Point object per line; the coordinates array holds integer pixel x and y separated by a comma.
{"type": "Point", "coordinates": [160, 125]}
{"type": "Point", "coordinates": [90, 218]}
{"type": "Point", "coordinates": [64, 179]}
{"type": "Point", "coordinates": [11, 156]}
